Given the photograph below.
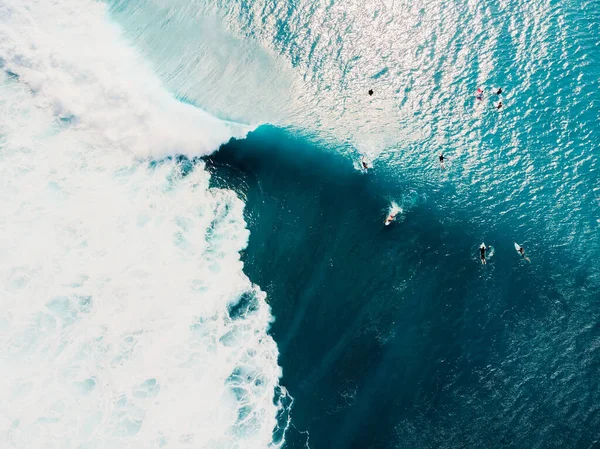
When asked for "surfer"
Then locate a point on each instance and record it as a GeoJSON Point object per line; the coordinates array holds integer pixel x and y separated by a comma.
{"type": "Point", "coordinates": [391, 217]}
{"type": "Point", "coordinates": [482, 250]}
{"type": "Point", "coordinates": [370, 91]}
{"type": "Point", "coordinates": [442, 161]}
{"type": "Point", "coordinates": [521, 251]}
{"type": "Point", "coordinates": [499, 91]}
{"type": "Point", "coordinates": [479, 95]}
{"type": "Point", "coordinates": [499, 106]}
{"type": "Point", "coordinates": [364, 164]}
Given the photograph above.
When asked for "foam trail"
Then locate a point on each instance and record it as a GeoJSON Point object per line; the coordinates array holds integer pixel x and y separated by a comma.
{"type": "Point", "coordinates": [125, 317]}
{"type": "Point", "coordinates": [395, 209]}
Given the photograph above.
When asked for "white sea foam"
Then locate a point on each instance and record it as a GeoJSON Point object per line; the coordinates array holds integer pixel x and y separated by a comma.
{"type": "Point", "coordinates": [394, 208]}
{"type": "Point", "coordinates": [76, 62]}
{"type": "Point", "coordinates": [121, 323]}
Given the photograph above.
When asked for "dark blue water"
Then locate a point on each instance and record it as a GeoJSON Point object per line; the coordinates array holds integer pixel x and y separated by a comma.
{"type": "Point", "coordinates": [397, 337]}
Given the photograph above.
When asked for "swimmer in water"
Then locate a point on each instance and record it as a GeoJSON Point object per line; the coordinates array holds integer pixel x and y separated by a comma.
{"type": "Point", "coordinates": [391, 217]}
{"type": "Point", "coordinates": [479, 95]}
{"type": "Point", "coordinates": [500, 105]}
{"type": "Point", "coordinates": [442, 161]}
{"type": "Point", "coordinates": [522, 253]}
{"type": "Point", "coordinates": [499, 91]}
{"type": "Point", "coordinates": [482, 250]}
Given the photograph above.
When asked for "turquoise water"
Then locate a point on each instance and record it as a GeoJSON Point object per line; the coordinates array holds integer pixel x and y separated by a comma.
{"type": "Point", "coordinates": [537, 158]}
{"type": "Point", "coordinates": [378, 337]}
{"type": "Point", "coordinates": [398, 337]}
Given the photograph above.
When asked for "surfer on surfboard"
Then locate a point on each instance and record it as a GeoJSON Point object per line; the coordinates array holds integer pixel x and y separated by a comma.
{"type": "Point", "coordinates": [441, 156]}
{"type": "Point", "coordinates": [482, 250]}
{"type": "Point", "coordinates": [363, 163]}
{"type": "Point", "coordinates": [521, 251]}
{"type": "Point", "coordinates": [391, 217]}
{"type": "Point", "coordinates": [393, 211]}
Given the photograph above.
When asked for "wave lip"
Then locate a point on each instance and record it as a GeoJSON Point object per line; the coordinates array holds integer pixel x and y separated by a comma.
{"type": "Point", "coordinates": [77, 64]}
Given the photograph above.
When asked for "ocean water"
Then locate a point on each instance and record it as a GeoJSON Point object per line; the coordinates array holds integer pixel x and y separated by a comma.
{"type": "Point", "coordinates": [190, 255]}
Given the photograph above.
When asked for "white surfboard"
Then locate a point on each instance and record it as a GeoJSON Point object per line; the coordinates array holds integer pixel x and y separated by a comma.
{"type": "Point", "coordinates": [394, 209]}
{"type": "Point", "coordinates": [517, 247]}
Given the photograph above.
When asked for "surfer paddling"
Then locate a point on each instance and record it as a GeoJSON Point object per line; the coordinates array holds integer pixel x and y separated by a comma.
{"type": "Point", "coordinates": [521, 251]}
{"type": "Point", "coordinates": [482, 250]}
{"type": "Point", "coordinates": [391, 217]}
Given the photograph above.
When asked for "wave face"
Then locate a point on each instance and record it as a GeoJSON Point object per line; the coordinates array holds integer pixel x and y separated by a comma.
{"type": "Point", "coordinates": [126, 319]}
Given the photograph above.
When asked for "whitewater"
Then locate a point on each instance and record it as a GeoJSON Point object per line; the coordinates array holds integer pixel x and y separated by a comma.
{"type": "Point", "coordinates": [125, 317]}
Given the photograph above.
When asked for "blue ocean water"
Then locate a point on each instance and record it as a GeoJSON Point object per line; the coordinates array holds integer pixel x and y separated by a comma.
{"type": "Point", "coordinates": [398, 337]}
{"type": "Point", "coordinates": [387, 337]}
